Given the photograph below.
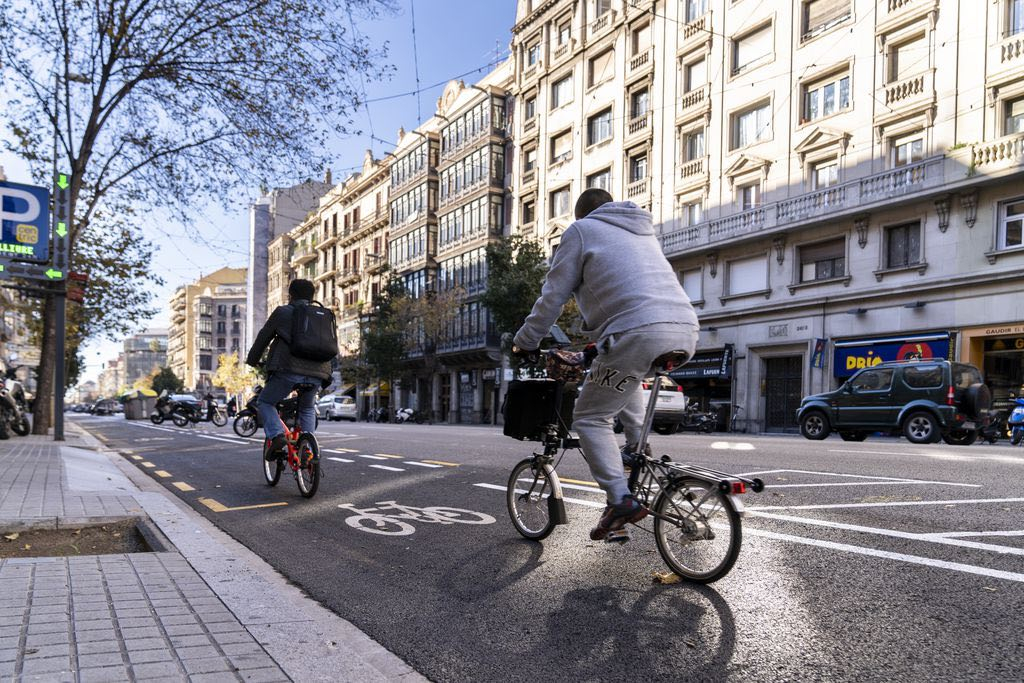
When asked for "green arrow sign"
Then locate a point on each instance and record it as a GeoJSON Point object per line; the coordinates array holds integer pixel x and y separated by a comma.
{"type": "Point", "coordinates": [1, 268]}
{"type": "Point", "coordinates": [62, 181]}
{"type": "Point", "coordinates": [62, 229]}
{"type": "Point", "coordinates": [54, 274]}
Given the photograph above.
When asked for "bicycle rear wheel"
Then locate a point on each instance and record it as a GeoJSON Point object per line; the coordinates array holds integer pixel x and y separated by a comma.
{"type": "Point", "coordinates": [697, 530]}
{"type": "Point", "coordinates": [308, 474]}
{"type": "Point", "coordinates": [529, 488]}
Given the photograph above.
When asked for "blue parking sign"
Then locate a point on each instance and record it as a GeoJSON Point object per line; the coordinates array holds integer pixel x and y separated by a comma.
{"type": "Point", "coordinates": [24, 222]}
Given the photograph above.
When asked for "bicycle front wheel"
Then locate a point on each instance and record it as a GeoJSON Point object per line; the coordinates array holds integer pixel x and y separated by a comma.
{"type": "Point", "coordinates": [308, 474]}
{"type": "Point", "coordinates": [697, 530]}
{"type": "Point", "coordinates": [529, 487]}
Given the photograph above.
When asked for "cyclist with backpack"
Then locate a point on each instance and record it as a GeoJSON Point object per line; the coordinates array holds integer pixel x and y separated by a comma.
{"type": "Point", "coordinates": [303, 340]}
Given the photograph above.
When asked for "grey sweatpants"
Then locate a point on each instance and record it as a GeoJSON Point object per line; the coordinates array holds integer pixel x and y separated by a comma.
{"type": "Point", "coordinates": [613, 387]}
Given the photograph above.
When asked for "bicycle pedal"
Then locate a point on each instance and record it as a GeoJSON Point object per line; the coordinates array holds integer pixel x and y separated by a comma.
{"type": "Point", "coordinates": [619, 536]}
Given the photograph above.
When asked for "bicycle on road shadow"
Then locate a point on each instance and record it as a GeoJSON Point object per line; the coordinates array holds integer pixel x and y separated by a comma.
{"type": "Point", "coordinates": [696, 510]}
{"type": "Point", "coordinates": [303, 453]}
{"type": "Point", "coordinates": [390, 518]}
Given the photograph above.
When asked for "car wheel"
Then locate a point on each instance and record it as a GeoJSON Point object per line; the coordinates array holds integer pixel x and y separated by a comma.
{"type": "Point", "coordinates": [960, 437]}
{"type": "Point", "coordinates": [665, 430]}
{"type": "Point", "coordinates": [921, 427]}
{"type": "Point", "coordinates": [814, 425]}
{"type": "Point", "coordinates": [853, 436]}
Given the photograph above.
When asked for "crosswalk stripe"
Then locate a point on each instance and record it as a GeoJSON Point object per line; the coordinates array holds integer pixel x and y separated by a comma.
{"type": "Point", "coordinates": [339, 459]}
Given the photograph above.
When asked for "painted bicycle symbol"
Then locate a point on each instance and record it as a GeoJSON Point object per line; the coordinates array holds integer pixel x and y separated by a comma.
{"type": "Point", "coordinates": [390, 518]}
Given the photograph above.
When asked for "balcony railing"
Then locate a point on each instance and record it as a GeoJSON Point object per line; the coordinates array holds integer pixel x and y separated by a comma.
{"type": "Point", "coordinates": [468, 342]}
{"type": "Point", "coordinates": [698, 29]}
{"type": "Point", "coordinates": [409, 180]}
{"type": "Point", "coordinates": [348, 276]}
{"type": "Point", "coordinates": [641, 60]}
{"type": "Point", "coordinates": [847, 198]}
{"type": "Point", "coordinates": [530, 123]}
{"type": "Point", "coordinates": [637, 188]}
{"type": "Point", "coordinates": [1008, 149]}
{"type": "Point", "coordinates": [602, 22]}
{"type": "Point", "coordinates": [694, 170]}
{"type": "Point", "coordinates": [482, 134]}
{"type": "Point", "coordinates": [638, 124]}
{"type": "Point", "coordinates": [694, 99]}
{"type": "Point", "coordinates": [907, 89]}
{"type": "Point", "coordinates": [454, 197]}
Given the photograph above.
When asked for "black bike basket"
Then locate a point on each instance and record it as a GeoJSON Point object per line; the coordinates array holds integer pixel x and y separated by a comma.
{"type": "Point", "coordinates": [532, 404]}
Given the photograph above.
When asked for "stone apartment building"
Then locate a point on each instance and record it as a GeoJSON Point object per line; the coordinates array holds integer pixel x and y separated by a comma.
{"type": "Point", "coordinates": [836, 181]}
{"type": "Point", "coordinates": [207, 320]}
{"type": "Point", "coordinates": [144, 352]}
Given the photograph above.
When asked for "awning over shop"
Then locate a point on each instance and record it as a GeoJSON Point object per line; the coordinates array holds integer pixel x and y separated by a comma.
{"type": "Point", "coordinates": [137, 393]}
{"type": "Point", "coordinates": [854, 354]}
{"type": "Point", "coordinates": [382, 389]}
{"type": "Point", "coordinates": [345, 389]}
{"type": "Point", "coordinates": [707, 365]}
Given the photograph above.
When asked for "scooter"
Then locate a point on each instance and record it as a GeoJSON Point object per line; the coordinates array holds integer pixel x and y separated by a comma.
{"type": "Point", "coordinates": [1016, 422]}
{"type": "Point", "coordinates": [164, 408]}
{"type": "Point", "coordinates": [409, 415]}
{"type": "Point", "coordinates": [13, 409]}
{"type": "Point", "coordinates": [183, 414]}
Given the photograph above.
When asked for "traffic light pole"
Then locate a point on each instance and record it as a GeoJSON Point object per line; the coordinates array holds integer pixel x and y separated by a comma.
{"type": "Point", "coordinates": [59, 301]}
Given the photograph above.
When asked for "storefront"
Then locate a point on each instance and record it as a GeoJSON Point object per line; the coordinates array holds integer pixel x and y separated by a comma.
{"type": "Point", "coordinates": [707, 379]}
{"type": "Point", "coordinates": [851, 355]}
{"type": "Point", "coordinates": [998, 351]}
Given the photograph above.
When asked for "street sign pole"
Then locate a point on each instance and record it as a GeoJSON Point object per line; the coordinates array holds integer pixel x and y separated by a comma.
{"type": "Point", "coordinates": [61, 223]}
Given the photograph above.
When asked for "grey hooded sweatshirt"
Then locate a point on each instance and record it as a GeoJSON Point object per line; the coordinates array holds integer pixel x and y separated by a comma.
{"type": "Point", "coordinates": [612, 262]}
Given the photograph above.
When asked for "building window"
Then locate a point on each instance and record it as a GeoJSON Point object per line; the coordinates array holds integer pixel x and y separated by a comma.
{"type": "Point", "coordinates": [752, 47]}
{"type": "Point", "coordinates": [692, 283]}
{"type": "Point", "coordinates": [221, 343]}
{"type": "Point", "coordinates": [1014, 111]}
{"type": "Point", "coordinates": [824, 174]}
{"type": "Point", "coordinates": [599, 127]}
{"type": "Point", "coordinates": [528, 212]}
{"type": "Point", "coordinates": [561, 92]}
{"type": "Point", "coordinates": [560, 202]}
{"type": "Point", "coordinates": [639, 104]}
{"type": "Point", "coordinates": [205, 363]}
{"type": "Point", "coordinates": [222, 310]}
{"type": "Point", "coordinates": [823, 261]}
{"type": "Point", "coordinates": [695, 9]}
{"type": "Point", "coordinates": [564, 32]}
{"type": "Point", "coordinates": [601, 68]}
{"type": "Point", "coordinates": [907, 151]}
{"type": "Point", "coordinates": [222, 327]}
{"type": "Point", "coordinates": [601, 7]}
{"type": "Point", "coordinates": [746, 276]}
{"type": "Point", "coordinates": [530, 108]}
{"type": "Point", "coordinates": [641, 39]}
{"type": "Point", "coordinates": [821, 15]}
{"type": "Point", "coordinates": [695, 75]}
{"type": "Point", "coordinates": [1011, 224]}
{"type": "Point", "coordinates": [693, 145]}
{"type": "Point", "coordinates": [690, 213]}
{"type": "Point", "coordinates": [908, 58]}
{"type": "Point", "coordinates": [529, 160]}
{"type": "Point", "coordinates": [532, 54]}
{"type": "Point", "coordinates": [824, 98]}
{"type": "Point", "coordinates": [638, 167]}
{"type": "Point", "coordinates": [1014, 17]}
{"type": "Point", "coordinates": [748, 196]}
{"type": "Point", "coordinates": [601, 179]}
{"type": "Point", "coordinates": [751, 125]}
{"type": "Point", "coordinates": [903, 245]}
{"type": "Point", "coordinates": [561, 147]}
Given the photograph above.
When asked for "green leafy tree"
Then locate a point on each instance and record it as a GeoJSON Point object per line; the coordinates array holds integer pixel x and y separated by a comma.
{"type": "Point", "coordinates": [515, 273]}
{"type": "Point", "coordinates": [166, 379]}
{"type": "Point", "coordinates": [384, 338]}
{"type": "Point", "coordinates": [169, 105]}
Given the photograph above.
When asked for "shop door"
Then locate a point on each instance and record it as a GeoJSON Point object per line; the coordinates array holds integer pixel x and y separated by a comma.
{"type": "Point", "coordinates": [783, 388]}
{"type": "Point", "coordinates": [446, 398]}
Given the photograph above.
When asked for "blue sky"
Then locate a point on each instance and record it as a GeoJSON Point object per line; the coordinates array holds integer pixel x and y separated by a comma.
{"type": "Point", "coordinates": [452, 38]}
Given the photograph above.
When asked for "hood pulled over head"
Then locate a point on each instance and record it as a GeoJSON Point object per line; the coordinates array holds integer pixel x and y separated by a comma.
{"type": "Point", "coordinates": [625, 215]}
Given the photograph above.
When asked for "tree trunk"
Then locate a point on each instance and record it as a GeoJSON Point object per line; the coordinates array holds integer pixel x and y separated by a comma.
{"type": "Point", "coordinates": [42, 411]}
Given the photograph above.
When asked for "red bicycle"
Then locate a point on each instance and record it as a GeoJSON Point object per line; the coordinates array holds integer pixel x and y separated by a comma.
{"type": "Point", "coordinates": [303, 456]}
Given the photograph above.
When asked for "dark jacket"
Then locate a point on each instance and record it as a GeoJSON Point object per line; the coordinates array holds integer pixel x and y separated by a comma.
{"type": "Point", "coordinates": [277, 332]}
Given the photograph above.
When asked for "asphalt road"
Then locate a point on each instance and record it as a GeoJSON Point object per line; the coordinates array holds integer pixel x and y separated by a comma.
{"type": "Point", "coordinates": [878, 560]}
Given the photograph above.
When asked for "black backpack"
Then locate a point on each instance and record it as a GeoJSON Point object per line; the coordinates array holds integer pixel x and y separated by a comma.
{"type": "Point", "coordinates": [314, 333]}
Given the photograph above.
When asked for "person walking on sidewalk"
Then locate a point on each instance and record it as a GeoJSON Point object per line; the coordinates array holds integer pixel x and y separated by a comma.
{"type": "Point", "coordinates": [633, 305]}
{"type": "Point", "coordinates": [285, 371]}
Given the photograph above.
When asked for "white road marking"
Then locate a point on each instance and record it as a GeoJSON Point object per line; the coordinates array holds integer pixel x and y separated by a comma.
{"type": "Point", "coordinates": [389, 469]}
{"type": "Point", "coordinates": [885, 554]}
{"type": "Point", "coordinates": [423, 464]}
{"type": "Point", "coordinates": [873, 479]}
{"type": "Point", "coordinates": [592, 489]}
{"type": "Point", "coordinates": [370, 457]}
{"type": "Point", "coordinates": [937, 455]}
{"type": "Point", "coordinates": [340, 459]}
{"type": "Point", "coordinates": [578, 501]}
{"type": "Point", "coordinates": [733, 445]}
{"type": "Point", "coordinates": [959, 534]}
{"type": "Point", "coordinates": [901, 482]}
{"type": "Point", "coordinates": [927, 538]}
{"type": "Point", "coordinates": [838, 506]}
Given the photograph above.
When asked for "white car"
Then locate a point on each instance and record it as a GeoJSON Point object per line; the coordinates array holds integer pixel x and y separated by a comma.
{"type": "Point", "coordinates": [336, 408]}
{"type": "Point", "coordinates": [670, 412]}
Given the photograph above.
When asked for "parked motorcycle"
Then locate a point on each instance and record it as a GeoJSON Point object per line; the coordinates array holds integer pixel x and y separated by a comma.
{"type": "Point", "coordinates": [695, 419]}
{"type": "Point", "coordinates": [164, 408]}
{"type": "Point", "coordinates": [184, 413]}
{"type": "Point", "coordinates": [1016, 422]}
{"type": "Point", "coordinates": [410, 415]}
{"type": "Point", "coordinates": [995, 427]}
{"type": "Point", "coordinates": [13, 408]}
{"type": "Point", "coordinates": [248, 419]}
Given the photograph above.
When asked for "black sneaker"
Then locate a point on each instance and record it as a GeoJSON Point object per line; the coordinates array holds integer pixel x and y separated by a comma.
{"type": "Point", "coordinates": [275, 449]}
{"type": "Point", "coordinates": [617, 516]}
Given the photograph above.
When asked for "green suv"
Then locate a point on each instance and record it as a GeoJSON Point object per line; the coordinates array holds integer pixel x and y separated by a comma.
{"type": "Point", "coordinates": [925, 400]}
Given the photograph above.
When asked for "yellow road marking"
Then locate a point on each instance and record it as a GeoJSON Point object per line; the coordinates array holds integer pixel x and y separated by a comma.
{"type": "Point", "coordinates": [148, 464]}
{"type": "Point", "coordinates": [136, 457]}
{"type": "Point", "coordinates": [182, 486]}
{"type": "Point", "coordinates": [441, 462]}
{"type": "Point", "coordinates": [162, 473]}
{"type": "Point", "coordinates": [578, 481]}
{"type": "Point", "coordinates": [219, 507]}
{"type": "Point", "coordinates": [388, 455]}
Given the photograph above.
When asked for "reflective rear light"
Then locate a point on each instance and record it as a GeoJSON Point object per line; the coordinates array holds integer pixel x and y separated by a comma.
{"type": "Point", "coordinates": [739, 487]}
{"type": "Point", "coordinates": [949, 396]}
{"type": "Point", "coordinates": [646, 386]}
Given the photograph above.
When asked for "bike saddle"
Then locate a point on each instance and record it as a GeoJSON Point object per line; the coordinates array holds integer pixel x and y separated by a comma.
{"type": "Point", "coordinates": [669, 360]}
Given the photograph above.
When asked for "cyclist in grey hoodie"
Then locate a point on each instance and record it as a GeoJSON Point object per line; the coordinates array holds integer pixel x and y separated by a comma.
{"type": "Point", "coordinates": [634, 307]}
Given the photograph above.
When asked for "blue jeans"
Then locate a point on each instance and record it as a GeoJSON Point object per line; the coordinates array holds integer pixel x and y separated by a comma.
{"type": "Point", "coordinates": [277, 388]}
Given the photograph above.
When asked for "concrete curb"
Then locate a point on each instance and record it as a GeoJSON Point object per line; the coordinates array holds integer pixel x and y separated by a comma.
{"type": "Point", "coordinates": [308, 641]}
